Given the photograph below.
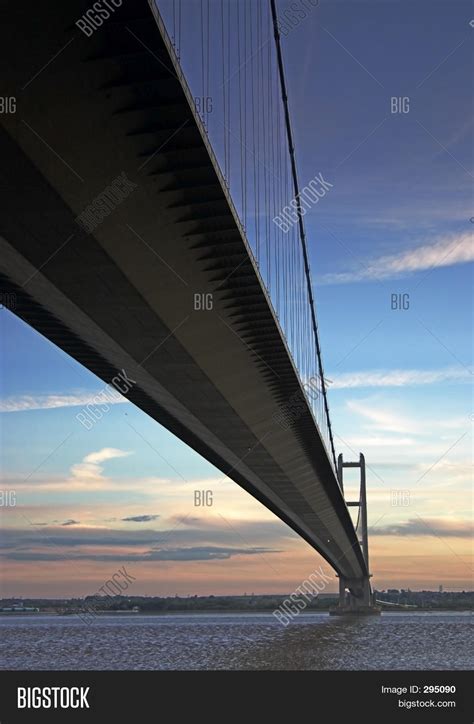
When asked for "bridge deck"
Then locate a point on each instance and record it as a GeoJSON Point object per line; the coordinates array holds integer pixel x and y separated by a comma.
{"type": "Point", "coordinates": [122, 297]}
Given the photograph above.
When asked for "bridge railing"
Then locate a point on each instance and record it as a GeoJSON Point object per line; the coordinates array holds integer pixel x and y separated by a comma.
{"type": "Point", "coordinates": [229, 56]}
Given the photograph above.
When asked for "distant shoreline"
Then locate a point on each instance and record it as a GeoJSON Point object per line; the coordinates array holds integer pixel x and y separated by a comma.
{"type": "Point", "coordinates": [269, 611]}
{"type": "Point", "coordinates": [392, 600]}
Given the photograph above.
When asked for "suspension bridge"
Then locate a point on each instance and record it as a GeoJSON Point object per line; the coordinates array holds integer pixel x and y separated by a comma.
{"type": "Point", "coordinates": [146, 172]}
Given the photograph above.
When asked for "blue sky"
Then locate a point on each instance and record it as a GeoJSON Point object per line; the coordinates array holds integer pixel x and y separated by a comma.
{"type": "Point", "coordinates": [397, 220]}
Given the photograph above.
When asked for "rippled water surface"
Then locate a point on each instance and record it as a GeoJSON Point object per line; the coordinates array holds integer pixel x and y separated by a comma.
{"type": "Point", "coordinates": [237, 641]}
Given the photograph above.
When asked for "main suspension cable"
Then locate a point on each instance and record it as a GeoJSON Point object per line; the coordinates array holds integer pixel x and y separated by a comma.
{"type": "Point", "coordinates": [289, 134]}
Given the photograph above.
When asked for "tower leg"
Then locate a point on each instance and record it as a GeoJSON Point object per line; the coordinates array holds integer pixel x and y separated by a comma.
{"type": "Point", "coordinates": [342, 592]}
{"type": "Point", "coordinates": [363, 510]}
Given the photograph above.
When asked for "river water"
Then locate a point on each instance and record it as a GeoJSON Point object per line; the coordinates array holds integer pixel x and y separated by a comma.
{"type": "Point", "coordinates": [237, 641]}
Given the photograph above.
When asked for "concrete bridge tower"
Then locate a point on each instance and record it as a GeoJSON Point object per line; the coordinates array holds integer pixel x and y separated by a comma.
{"type": "Point", "coordinates": [355, 595]}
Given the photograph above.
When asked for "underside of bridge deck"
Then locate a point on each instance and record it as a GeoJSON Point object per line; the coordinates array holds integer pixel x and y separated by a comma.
{"type": "Point", "coordinates": [123, 296]}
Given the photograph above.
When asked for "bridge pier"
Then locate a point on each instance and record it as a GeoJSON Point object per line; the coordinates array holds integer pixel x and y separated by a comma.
{"type": "Point", "coordinates": [355, 595]}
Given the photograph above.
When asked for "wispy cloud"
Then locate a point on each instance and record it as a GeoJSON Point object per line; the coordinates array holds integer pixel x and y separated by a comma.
{"type": "Point", "coordinates": [383, 418]}
{"type": "Point", "coordinates": [86, 479]}
{"type": "Point", "coordinates": [256, 533]}
{"type": "Point", "coordinates": [25, 403]}
{"type": "Point", "coordinates": [140, 518]}
{"type": "Point", "coordinates": [428, 526]}
{"type": "Point", "coordinates": [368, 442]}
{"type": "Point", "coordinates": [202, 553]}
{"type": "Point", "coordinates": [397, 378]}
{"type": "Point", "coordinates": [90, 469]}
{"type": "Point", "coordinates": [446, 251]}
{"type": "Point", "coordinates": [105, 544]}
{"type": "Point", "coordinates": [419, 437]}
